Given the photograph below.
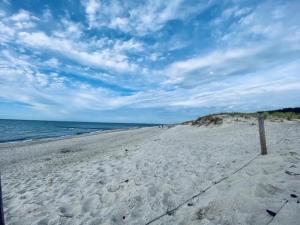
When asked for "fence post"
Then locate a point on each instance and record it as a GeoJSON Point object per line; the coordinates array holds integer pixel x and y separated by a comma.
{"type": "Point", "coordinates": [1, 205]}
{"type": "Point", "coordinates": [262, 136]}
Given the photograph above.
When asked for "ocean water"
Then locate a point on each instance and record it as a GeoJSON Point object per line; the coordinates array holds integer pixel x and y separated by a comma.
{"type": "Point", "coordinates": [23, 130]}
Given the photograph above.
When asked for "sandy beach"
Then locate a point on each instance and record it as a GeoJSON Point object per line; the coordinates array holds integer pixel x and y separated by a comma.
{"type": "Point", "coordinates": [181, 175]}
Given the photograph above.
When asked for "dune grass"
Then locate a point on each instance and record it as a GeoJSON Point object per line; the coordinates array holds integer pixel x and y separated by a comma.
{"type": "Point", "coordinates": [281, 115]}
{"type": "Point", "coordinates": [217, 118]}
{"type": "Point", "coordinates": [268, 115]}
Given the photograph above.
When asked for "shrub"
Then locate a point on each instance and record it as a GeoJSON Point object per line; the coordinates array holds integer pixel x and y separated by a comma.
{"type": "Point", "coordinates": [207, 120]}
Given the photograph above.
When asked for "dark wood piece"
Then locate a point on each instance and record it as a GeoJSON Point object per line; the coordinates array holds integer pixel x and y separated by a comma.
{"type": "Point", "coordinates": [262, 135]}
{"type": "Point", "coordinates": [1, 206]}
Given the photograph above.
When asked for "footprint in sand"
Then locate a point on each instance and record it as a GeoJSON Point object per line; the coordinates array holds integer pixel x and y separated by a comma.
{"type": "Point", "coordinates": [103, 181]}
{"type": "Point", "coordinates": [152, 190]}
{"type": "Point", "coordinates": [266, 190]}
{"type": "Point", "coordinates": [66, 211]}
{"type": "Point", "coordinates": [138, 181]}
{"type": "Point", "coordinates": [136, 213]}
{"type": "Point", "coordinates": [214, 211]}
{"type": "Point", "coordinates": [22, 197]}
{"type": "Point", "coordinates": [89, 204]}
{"type": "Point", "coordinates": [96, 221]}
{"type": "Point", "coordinates": [118, 218]}
{"type": "Point", "coordinates": [135, 202]}
{"type": "Point", "coordinates": [112, 187]}
{"type": "Point", "coordinates": [43, 222]}
{"type": "Point", "coordinates": [167, 200]}
{"type": "Point", "coordinates": [101, 170]}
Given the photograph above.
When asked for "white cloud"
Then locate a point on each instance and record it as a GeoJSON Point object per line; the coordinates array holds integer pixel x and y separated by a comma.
{"type": "Point", "coordinates": [23, 19]}
{"type": "Point", "coordinates": [218, 61]}
{"type": "Point", "coordinates": [6, 32]}
{"type": "Point", "coordinates": [91, 7]}
{"type": "Point", "coordinates": [152, 16]}
{"type": "Point", "coordinates": [130, 46]}
{"type": "Point", "coordinates": [47, 15]}
{"type": "Point", "coordinates": [266, 22]}
{"type": "Point", "coordinates": [70, 29]}
{"type": "Point", "coordinates": [67, 41]}
{"type": "Point", "coordinates": [50, 92]}
{"type": "Point", "coordinates": [77, 51]}
{"type": "Point", "coordinates": [53, 62]}
{"type": "Point", "coordinates": [139, 18]}
{"type": "Point", "coordinates": [253, 43]}
{"type": "Point", "coordinates": [2, 13]}
{"type": "Point", "coordinates": [22, 15]}
{"type": "Point", "coordinates": [255, 91]}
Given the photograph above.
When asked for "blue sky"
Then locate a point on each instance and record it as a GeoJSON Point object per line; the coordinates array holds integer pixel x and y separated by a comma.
{"type": "Point", "coordinates": [147, 61]}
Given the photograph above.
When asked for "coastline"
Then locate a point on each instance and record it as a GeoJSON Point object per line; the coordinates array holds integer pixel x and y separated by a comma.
{"type": "Point", "coordinates": [25, 142]}
{"type": "Point", "coordinates": [159, 176]}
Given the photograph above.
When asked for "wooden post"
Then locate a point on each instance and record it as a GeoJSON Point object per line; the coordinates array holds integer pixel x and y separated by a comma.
{"type": "Point", "coordinates": [1, 205]}
{"type": "Point", "coordinates": [262, 136]}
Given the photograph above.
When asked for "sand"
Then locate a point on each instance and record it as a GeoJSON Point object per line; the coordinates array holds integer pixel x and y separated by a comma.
{"type": "Point", "coordinates": [182, 175]}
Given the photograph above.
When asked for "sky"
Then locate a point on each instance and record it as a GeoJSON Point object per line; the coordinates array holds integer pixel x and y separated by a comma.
{"type": "Point", "coordinates": [150, 61]}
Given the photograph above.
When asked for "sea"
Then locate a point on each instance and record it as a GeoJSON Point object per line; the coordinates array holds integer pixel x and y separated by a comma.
{"type": "Point", "coordinates": [27, 130]}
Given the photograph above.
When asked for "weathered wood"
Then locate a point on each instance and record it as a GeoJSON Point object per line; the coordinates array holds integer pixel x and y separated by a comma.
{"type": "Point", "coordinates": [261, 126]}
{"type": "Point", "coordinates": [1, 205]}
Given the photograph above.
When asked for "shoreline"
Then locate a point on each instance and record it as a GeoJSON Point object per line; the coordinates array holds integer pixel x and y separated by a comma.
{"type": "Point", "coordinates": [25, 142]}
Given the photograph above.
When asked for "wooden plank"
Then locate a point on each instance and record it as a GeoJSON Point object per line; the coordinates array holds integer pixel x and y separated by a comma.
{"type": "Point", "coordinates": [262, 135]}
{"type": "Point", "coordinates": [1, 206]}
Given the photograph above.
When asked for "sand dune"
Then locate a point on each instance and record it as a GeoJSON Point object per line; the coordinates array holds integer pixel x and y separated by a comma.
{"type": "Point", "coordinates": [157, 176]}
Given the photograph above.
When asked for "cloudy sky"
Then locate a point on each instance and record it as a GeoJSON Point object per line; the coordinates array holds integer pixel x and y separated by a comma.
{"type": "Point", "coordinates": [147, 61]}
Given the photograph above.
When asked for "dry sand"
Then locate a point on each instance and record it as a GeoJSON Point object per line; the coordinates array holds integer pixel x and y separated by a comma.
{"type": "Point", "coordinates": [151, 174]}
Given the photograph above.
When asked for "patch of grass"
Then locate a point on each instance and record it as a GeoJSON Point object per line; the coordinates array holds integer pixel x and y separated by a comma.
{"type": "Point", "coordinates": [281, 115]}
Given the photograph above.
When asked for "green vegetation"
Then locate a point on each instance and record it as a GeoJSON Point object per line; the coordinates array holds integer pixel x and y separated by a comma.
{"type": "Point", "coordinates": [207, 120]}
{"type": "Point", "coordinates": [267, 115]}
{"type": "Point", "coordinates": [217, 118]}
{"type": "Point", "coordinates": [281, 115]}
